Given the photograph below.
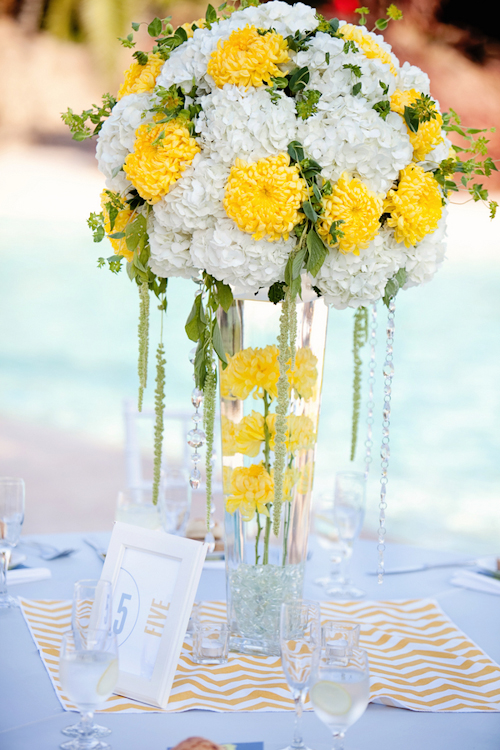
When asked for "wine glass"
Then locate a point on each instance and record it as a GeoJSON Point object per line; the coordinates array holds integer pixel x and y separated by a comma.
{"type": "Point", "coordinates": [348, 511]}
{"type": "Point", "coordinates": [88, 672]}
{"type": "Point", "coordinates": [325, 529]}
{"type": "Point", "coordinates": [11, 521]}
{"type": "Point", "coordinates": [300, 643]}
{"type": "Point", "coordinates": [340, 691]}
{"type": "Point", "coordinates": [92, 610]}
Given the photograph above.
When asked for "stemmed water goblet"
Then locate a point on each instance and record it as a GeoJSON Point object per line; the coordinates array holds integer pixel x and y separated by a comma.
{"type": "Point", "coordinates": [11, 521]}
{"type": "Point", "coordinates": [88, 672]}
{"type": "Point", "coordinates": [348, 511]}
{"type": "Point", "coordinates": [92, 611]}
{"type": "Point", "coordinates": [300, 645]}
{"type": "Point", "coordinates": [340, 690]}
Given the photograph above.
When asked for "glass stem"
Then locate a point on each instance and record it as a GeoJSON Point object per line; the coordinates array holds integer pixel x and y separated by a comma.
{"type": "Point", "coordinates": [86, 721]}
{"type": "Point", "coordinates": [5, 553]}
{"type": "Point", "coordinates": [338, 741]}
{"type": "Point", "coordinates": [346, 563]}
{"type": "Point", "coordinates": [298, 742]}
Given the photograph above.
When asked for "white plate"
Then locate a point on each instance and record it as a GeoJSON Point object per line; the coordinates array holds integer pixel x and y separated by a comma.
{"type": "Point", "coordinates": [16, 559]}
{"type": "Point", "coordinates": [488, 563]}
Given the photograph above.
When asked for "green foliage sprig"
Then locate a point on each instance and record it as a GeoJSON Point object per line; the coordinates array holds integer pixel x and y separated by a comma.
{"type": "Point", "coordinates": [393, 286]}
{"type": "Point", "coordinates": [423, 109]}
{"type": "Point", "coordinates": [470, 167]}
{"type": "Point", "coordinates": [172, 105]}
{"type": "Point", "coordinates": [143, 336]}
{"type": "Point", "coordinates": [306, 104]}
{"type": "Point", "coordinates": [79, 124]}
{"type": "Point", "coordinates": [159, 408]}
{"type": "Point", "coordinates": [360, 337]}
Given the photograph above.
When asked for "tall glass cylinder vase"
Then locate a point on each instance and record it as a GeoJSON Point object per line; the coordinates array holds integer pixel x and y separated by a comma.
{"type": "Point", "coordinates": [265, 568]}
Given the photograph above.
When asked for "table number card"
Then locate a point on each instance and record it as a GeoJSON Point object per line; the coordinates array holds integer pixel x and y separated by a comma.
{"type": "Point", "coordinates": [154, 578]}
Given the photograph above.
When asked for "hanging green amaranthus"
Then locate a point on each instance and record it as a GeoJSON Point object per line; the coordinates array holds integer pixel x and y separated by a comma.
{"type": "Point", "coordinates": [360, 337]}
{"type": "Point", "coordinates": [281, 409]}
{"type": "Point", "coordinates": [143, 330]}
{"type": "Point", "coordinates": [210, 393]}
{"type": "Point", "coordinates": [159, 407]}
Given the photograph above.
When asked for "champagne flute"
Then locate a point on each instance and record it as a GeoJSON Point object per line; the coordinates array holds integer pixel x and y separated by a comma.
{"type": "Point", "coordinates": [88, 672]}
{"type": "Point", "coordinates": [340, 691]}
{"type": "Point", "coordinates": [300, 644]}
{"type": "Point", "coordinates": [92, 610]}
{"type": "Point", "coordinates": [349, 512]}
{"type": "Point", "coordinates": [11, 521]}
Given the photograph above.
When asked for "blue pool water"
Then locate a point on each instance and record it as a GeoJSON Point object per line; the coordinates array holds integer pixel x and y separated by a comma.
{"type": "Point", "coordinates": [68, 357]}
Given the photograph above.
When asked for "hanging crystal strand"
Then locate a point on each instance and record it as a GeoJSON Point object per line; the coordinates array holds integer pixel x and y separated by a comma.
{"type": "Point", "coordinates": [195, 437]}
{"type": "Point", "coordinates": [371, 382]}
{"type": "Point", "coordinates": [385, 450]}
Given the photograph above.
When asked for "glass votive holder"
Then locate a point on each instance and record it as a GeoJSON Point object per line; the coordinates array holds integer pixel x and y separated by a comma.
{"type": "Point", "coordinates": [210, 642]}
{"type": "Point", "coordinates": [338, 639]}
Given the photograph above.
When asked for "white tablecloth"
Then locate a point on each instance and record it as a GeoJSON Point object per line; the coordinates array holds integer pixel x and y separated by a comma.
{"type": "Point", "coordinates": [31, 717]}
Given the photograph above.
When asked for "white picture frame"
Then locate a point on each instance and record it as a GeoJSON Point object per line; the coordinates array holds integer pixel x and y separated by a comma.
{"type": "Point", "coordinates": [154, 578]}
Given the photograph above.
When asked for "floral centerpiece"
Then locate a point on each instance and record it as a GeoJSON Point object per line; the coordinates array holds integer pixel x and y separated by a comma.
{"type": "Point", "coordinates": [267, 148]}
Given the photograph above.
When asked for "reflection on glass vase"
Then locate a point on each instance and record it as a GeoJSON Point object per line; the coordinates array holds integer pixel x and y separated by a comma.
{"type": "Point", "coordinates": [264, 569]}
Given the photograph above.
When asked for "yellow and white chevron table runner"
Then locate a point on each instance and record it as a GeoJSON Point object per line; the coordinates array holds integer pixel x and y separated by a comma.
{"type": "Point", "coordinates": [419, 660]}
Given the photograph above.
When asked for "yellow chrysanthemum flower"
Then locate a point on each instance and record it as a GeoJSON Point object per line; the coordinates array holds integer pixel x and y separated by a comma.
{"type": "Point", "coordinates": [415, 206]}
{"type": "Point", "coordinates": [251, 489]}
{"type": "Point", "coordinates": [250, 434]}
{"type": "Point", "coordinates": [139, 79]}
{"type": "Point", "coordinates": [300, 433]}
{"type": "Point", "coordinates": [161, 153]}
{"type": "Point", "coordinates": [121, 221]}
{"type": "Point", "coordinates": [188, 27]}
{"type": "Point", "coordinates": [358, 207]}
{"type": "Point", "coordinates": [248, 58]}
{"type": "Point", "coordinates": [367, 44]}
{"type": "Point", "coordinates": [264, 197]}
{"type": "Point", "coordinates": [305, 374]}
{"type": "Point", "coordinates": [251, 370]}
{"type": "Point", "coordinates": [228, 430]}
{"type": "Point", "coordinates": [227, 473]}
{"type": "Point", "coordinates": [428, 134]}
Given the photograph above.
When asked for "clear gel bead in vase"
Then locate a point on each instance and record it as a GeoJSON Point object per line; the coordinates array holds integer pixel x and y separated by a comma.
{"type": "Point", "coordinates": [263, 570]}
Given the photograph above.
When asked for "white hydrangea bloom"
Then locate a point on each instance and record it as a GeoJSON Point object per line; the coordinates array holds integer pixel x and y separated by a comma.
{"type": "Point", "coordinates": [169, 251]}
{"type": "Point", "coordinates": [232, 256]}
{"type": "Point", "coordinates": [195, 201]}
{"type": "Point", "coordinates": [117, 136]}
{"type": "Point", "coordinates": [325, 60]}
{"type": "Point", "coordinates": [285, 19]}
{"type": "Point", "coordinates": [356, 280]}
{"type": "Point", "coordinates": [436, 156]}
{"type": "Point", "coordinates": [380, 41]}
{"type": "Point", "coordinates": [245, 124]}
{"type": "Point", "coordinates": [351, 136]}
{"type": "Point", "coordinates": [425, 258]}
{"type": "Point", "coordinates": [411, 77]}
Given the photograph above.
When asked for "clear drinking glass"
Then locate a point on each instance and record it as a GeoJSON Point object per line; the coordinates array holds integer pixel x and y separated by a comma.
{"type": "Point", "coordinates": [349, 504]}
{"type": "Point", "coordinates": [92, 610]}
{"type": "Point", "coordinates": [175, 501]}
{"type": "Point", "coordinates": [11, 521]}
{"type": "Point", "coordinates": [135, 505]}
{"type": "Point", "coordinates": [88, 672]}
{"type": "Point", "coordinates": [325, 529]}
{"type": "Point", "coordinates": [340, 691]}
{"type": "Point", "coordinates": [300, 644]}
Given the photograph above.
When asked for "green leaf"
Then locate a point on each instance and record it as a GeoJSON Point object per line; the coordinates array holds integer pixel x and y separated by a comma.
{"type": "Point", "coordinates": [217, 342]}
{"type": "Point", "coordinates": [296, 151]}
{"type": "Point", "coordinates": [181, 35]}
{"type": "Point", "coordinates": [401, 277]}
{"type": "Point", "coordinates": [334, 24]}
{"type": "Point", "coordinates": [299, 80]}
{"type": "Point", "coordinates": [98, 235]}
{"type": "Point", "coordinates": [136, 26]}
{"type": "Point", "coordinates": [224, 295]}
{"type": "Point", "coordinates": [356, 89]}
{"type": "Point", "coordinates": [200, 365]}
{"type": "Point", "coordinates": [131, 271]}
{"type": "Point", "coordinates": [136, 233]}
{"type": "Point", "coordinates": [317, 252]}
{"type": "Point", "coordinates": [310, 212]}
{"type": "Point", "coordinates": [411, 119]}
{"type": "Point", "coordinates": [191, 327]}
{"type": "Point", "coordinates": [155, 27]}
{"type": "Point", "coordinates": [211, 15]}
{"type": "Point", "coordinates": [294, 267]}
{"type": "Point", "coordinates": [117, 236]}
{"type": "Point", "coordinates": [276, 292]}
{"type": "Point", "coordinates": [381, 24]}
{"type": "Point", "coordinates": [316, 192]}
